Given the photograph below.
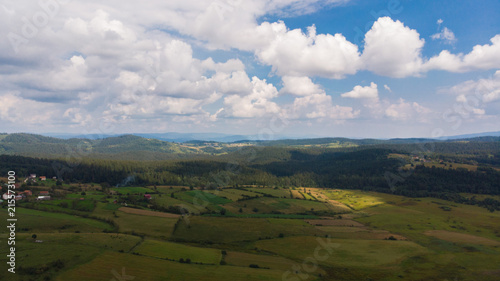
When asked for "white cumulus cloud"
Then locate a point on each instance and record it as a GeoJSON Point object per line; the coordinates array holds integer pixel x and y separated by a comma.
{"type": "Point", "coordinates": [293, 53]}
{"type": "Point", "coordinates": [299, 86]}
{"type": "Point", "coordinates": [446, 35]}
{"type": "Point", "coordinates": [359, 92]}
{"type": "Point", "coordinates": [392, 49]}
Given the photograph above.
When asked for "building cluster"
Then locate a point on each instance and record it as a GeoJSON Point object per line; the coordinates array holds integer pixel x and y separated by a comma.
{"type": "Point", "coordinates": [23, 195]}
{"type": "Point", "coordinates": [33, 178]}
{"type": "Point", "coordinates": [42, 195]}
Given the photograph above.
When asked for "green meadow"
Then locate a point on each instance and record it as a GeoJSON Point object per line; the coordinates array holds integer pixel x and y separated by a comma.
{"type": "Point", "coordinates": [373, 236]}
{"type": "Point", "coordinates": [176, 251]}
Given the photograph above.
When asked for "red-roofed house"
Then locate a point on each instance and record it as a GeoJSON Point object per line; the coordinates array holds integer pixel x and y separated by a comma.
{"type": "Point", "coordinates": [147, 196]}
{"type": "Point", "coordinates": [44, 193]}
{"type": "Point", "coordinates": [43, 178]}
{"type": "Point", "coordinates": [26, 193]}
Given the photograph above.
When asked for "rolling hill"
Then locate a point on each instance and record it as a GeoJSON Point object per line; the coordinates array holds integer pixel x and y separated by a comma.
{"type": "Point", "coordinates": [132, 147]}
{"type": "Point", "coordinates": [37, 145]}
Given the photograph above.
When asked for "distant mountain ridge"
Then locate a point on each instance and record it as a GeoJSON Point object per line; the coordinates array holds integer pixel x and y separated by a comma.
{"type": "Point", "coordinates": [150, 148]}
{"type": "Point", "coordinates": [170, 137]}
{"type": "Point", "coordinates": [228, 138]}
{"type": "Point", "coordinates": [471, 136]}
{"type": "Point", "coordinates": [37, 145]}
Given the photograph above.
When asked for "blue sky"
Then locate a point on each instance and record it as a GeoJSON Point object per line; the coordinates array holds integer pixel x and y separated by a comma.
{"type": "Point", "coordinates": [301, 68]}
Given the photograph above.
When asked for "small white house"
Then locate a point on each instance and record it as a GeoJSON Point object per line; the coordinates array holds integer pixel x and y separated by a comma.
{"type": "Point", "coordinates": [43, 198]}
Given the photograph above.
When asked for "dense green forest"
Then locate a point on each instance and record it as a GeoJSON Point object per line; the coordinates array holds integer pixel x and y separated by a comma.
{"type": "Point", "coordinates": [443, 168]}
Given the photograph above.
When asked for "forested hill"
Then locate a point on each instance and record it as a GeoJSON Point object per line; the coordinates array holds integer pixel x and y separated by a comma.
{"type": "Point", "coordinates": [441, 169]}
{"type": "Point", "coordinates": [127, 146]}
{"type": "Point", "coordinates": [342, 142]}
{"type": "Point", "coordinates": [131, 147]}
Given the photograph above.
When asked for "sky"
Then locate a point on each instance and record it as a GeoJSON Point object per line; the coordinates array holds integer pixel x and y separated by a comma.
{"type": "Point", "coordinates": [297, 68]}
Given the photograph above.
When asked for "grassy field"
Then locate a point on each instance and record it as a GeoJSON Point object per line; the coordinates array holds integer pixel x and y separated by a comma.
{"type": "Point", "coordinates": [234, 194]}
{"type": "Point", "coordinates": [110, 265]}
{"type": "Point", "coordinates": [354, 199]}
{"type": "Point", "coordinates": [88, 195]}
{"type": "Point", "coordinates": [462, 239]}
{"type": "Point", "coordinates": [228, 230]}
{"type": "Point", "coordinates": [378, 237]}
{"type": "Point", "coordinates": [296, 194]}
{"type": "Point", "coordinates": [242, 193]}
{"type": "Point", "coordinates": [412, 217]}
{"type": "Point", "coordinates": [132, 190]}
{"type": "Point", "coordinates": [166, 201]}
{"type": "Point", "coordinates": [306, 193]}
{"type": "Point", "coordinates": [153, 226]}
{"type": "Point", "coordinates": [198, 197]}
{"type": "Point", "coordinates": [265, 261]}
{"type": "Point", "coordinates": [81, 205]}
{"type": "Point", "coordinates": [344, 252]}
{"type": "Point", "coordinates": [147, 213]}
{"type": "Point", "coordinates": [169, 188]}
{"type": "Point", "coordinates": [225, 194]}
{"type": "Point", "coordinates": [277, 205]}
{"type": "Point", "coordinates": [175, 251]}
{"type": "Point", "coordinates": [38, 260]}
{"type": "Point", "coordinates": [146, 225]}
{"type": "Point", "coordinates": [271, 191]}
{"type": "Point", "coordinates": [39, 221]}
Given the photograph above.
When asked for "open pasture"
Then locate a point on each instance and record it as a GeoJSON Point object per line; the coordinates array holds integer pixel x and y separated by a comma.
{"type": "Point", "coordinates": [268, 205]}
{"type": "Point", "coordinates": [267, 261]}
{"type": "Point", "coordinates": [132, 190]}
{"type": "Point", "coordinates": [229, 230]}
{"type": "Point", "coordinates": [335, 222]}
{"type": "Point", "coordinates": [169, 188]}
{"type": "Point", "coordinates": [62, 251]}
{"type": "Point", "coordinates": [110, 265]}
{"type": "Point", "coordinates": [412, 217]}
{"type": "Point", "coordinates": [153, 226]}
{"type": "Point", "coordinates": [39, 221]}
{"type": "Point", "coordinates": [199, 197]}
{"type": "Point", "coordinates": [242, 192]}
{"type": "Point", "coordinates": [356, 200]}
{"type": "Point", "coordinates": [175, 251]}
{"type": "Point", "coordinates": [461, 238]}
{"type": "Point", "coordinates": [147, 213]}
{"type": "Point", "coordinates": [225, 194]}
{"type": "Point", "coordinates": [344, 252]}
{"type": "Point", "coordinates": [148, 225]}
{"type": "Point", "coordinates": [166, 201]}
{"type": "Point", "coordinates": [280, 193]}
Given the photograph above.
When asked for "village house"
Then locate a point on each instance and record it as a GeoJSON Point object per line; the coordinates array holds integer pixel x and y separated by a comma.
{"type": "Point", "coordinates": [32, 177]}
{"type": "Point", "coordinates": [25, 194]}
{"type": "Point", "coordinates": [43, 198]}
{"type": "Point", "coordinates": [147, 196]}
{"type": "Point", "coordinates": [43, 193]}
{"type": "Point", "coordinates": [43, 178]}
